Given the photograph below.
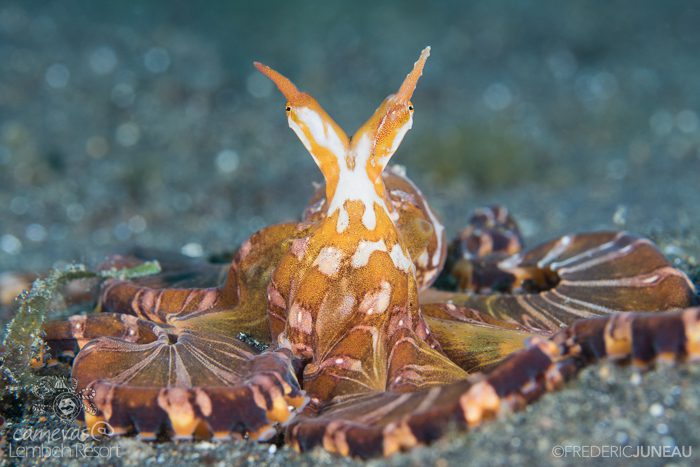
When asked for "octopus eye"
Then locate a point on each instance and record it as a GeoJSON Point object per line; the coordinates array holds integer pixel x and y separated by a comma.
{"type": "Point", "coordinates": [410, 107]}
{"type": "Point", "coordinates": [288, 109]}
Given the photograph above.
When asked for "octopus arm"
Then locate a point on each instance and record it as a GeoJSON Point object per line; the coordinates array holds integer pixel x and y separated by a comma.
{"type": "Point", "coordinates": [571, 278]}
{"type": "Point", "coordinates": [141, 377]}
{"type": "Point", "coordinates": [383, 423]}
{"type": "Point", "coordinates": [234, 298]}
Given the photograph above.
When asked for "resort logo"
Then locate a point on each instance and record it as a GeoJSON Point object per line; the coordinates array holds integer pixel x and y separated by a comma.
{"type": "Point", "coordinates": [56, 397]}
{"type": "Point", "coordinates": [60, 396]}
{"type": "Point", "coordinates": [67, 406]}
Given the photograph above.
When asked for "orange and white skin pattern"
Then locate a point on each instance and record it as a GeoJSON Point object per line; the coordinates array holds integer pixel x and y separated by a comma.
{"type": "Point", "coordinates": [347, 292]}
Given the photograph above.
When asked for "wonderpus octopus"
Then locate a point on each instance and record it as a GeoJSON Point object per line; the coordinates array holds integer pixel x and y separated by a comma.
{"type": "Point", "coordinates": [327, 330]}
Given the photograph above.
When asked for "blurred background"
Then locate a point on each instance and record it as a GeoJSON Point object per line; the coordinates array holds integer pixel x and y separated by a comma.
{"type": "Point", "coordinates": [145, 123]}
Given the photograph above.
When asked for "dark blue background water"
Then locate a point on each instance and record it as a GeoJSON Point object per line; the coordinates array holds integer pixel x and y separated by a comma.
{"type": "Point", "coordinates": [145, 122]}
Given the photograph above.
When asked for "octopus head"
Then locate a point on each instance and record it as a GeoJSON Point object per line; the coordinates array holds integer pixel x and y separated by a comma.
{"type": "Point", "coordinates": [352, 168]}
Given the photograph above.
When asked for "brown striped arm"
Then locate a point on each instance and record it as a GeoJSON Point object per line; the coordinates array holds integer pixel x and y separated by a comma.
{"type": "Point", "coordinates": [236, 302]}
{"type": "Point", "coordinates": [66, 338]}
{"type": "Point", "coordinates": [253, 264]}
{"type": "Point", "coordinates": [490, 231]}
{"type": "Point", "coordinates": [384, 423]}
{"type": "Point", "coordinates": [183, 285]}
{"type": "Point", "coordinates": [157, 304]}
{"type": "Point", "coordinates": [380, 423]}
{"type": "Point", "coordinates": [193, 375]}
{"type": "Point", "coordinates": [490, 236]}
{"type": "Point", "coordinates": [576, 277]}
{"type": "Point", "coordinates": [156, 380]}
